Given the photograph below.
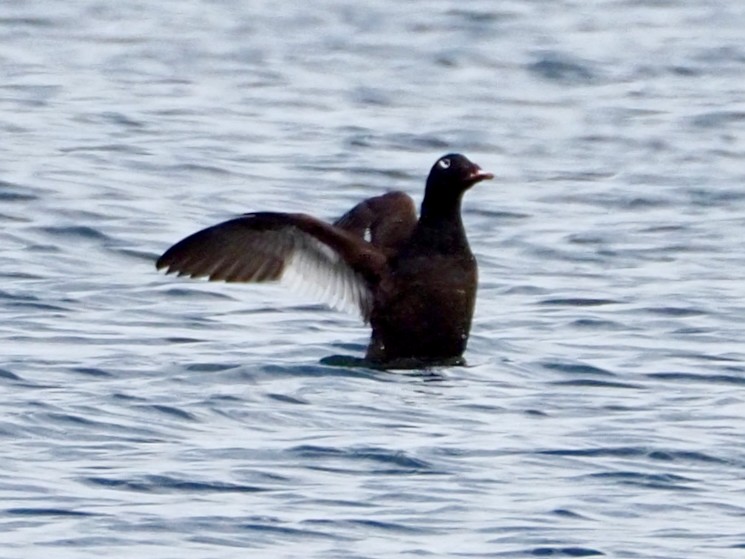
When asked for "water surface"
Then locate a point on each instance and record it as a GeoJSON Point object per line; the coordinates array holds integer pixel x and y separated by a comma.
{"type": "Point", "coordinates": [601, 413]}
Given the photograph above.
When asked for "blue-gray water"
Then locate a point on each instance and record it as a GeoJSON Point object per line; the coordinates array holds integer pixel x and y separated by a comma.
{"type": "Point", "coordinates": [603, 411]}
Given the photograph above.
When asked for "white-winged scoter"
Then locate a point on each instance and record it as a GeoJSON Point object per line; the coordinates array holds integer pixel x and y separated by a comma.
{"type": "Point", "coordinates": [414, 280]}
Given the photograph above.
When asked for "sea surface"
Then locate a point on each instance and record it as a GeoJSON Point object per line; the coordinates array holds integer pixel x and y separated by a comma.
{"type": "Point", "coordinates": [602, 411]}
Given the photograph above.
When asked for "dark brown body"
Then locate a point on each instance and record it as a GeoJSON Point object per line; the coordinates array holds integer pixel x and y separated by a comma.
{"type": "Point", "coordinates": [418, 314]}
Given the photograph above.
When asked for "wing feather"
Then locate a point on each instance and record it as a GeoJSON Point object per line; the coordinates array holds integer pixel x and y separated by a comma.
{"type": "Point", "coordinates": [387, 220]}
{"type": "Point", "coordinates": [309, 255]}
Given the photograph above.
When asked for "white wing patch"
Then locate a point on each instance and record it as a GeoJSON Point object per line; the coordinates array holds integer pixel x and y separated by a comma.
{"type": "Point", "coordinates": [312, 268]}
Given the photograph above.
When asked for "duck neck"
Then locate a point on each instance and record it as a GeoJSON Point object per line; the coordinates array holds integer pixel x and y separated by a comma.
{"type": "Point", "coordinates": [440, 226]}
{"type": "Point", "coordinates": [440, 213]}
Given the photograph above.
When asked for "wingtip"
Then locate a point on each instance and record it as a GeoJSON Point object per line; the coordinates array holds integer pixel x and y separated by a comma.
{"type": "Point", "coordinates": [162, 264]}
{"type": "Point", "coordinates": [167, 266]}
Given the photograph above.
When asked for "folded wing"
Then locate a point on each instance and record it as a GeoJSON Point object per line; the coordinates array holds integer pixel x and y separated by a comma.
{"type": "Point", "coordinates": [312, 256]}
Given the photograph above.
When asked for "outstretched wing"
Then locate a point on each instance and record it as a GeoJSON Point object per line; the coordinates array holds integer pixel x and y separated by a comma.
{"type": "Point", "coordinates": [311, 255]}
{"type": "Point", "coordinates": [387, 221]}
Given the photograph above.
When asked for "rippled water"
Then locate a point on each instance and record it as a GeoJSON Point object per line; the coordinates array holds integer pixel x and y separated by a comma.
{"type": "Point", "coordinates": [602, 413]}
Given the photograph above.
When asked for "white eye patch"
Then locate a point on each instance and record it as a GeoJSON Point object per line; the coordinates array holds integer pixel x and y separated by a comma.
{"type": "Point", "coordinates": [444, 163]}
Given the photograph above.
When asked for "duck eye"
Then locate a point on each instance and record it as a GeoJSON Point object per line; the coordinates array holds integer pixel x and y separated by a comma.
{"type": "Point", "coordinates": [444, 163]}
